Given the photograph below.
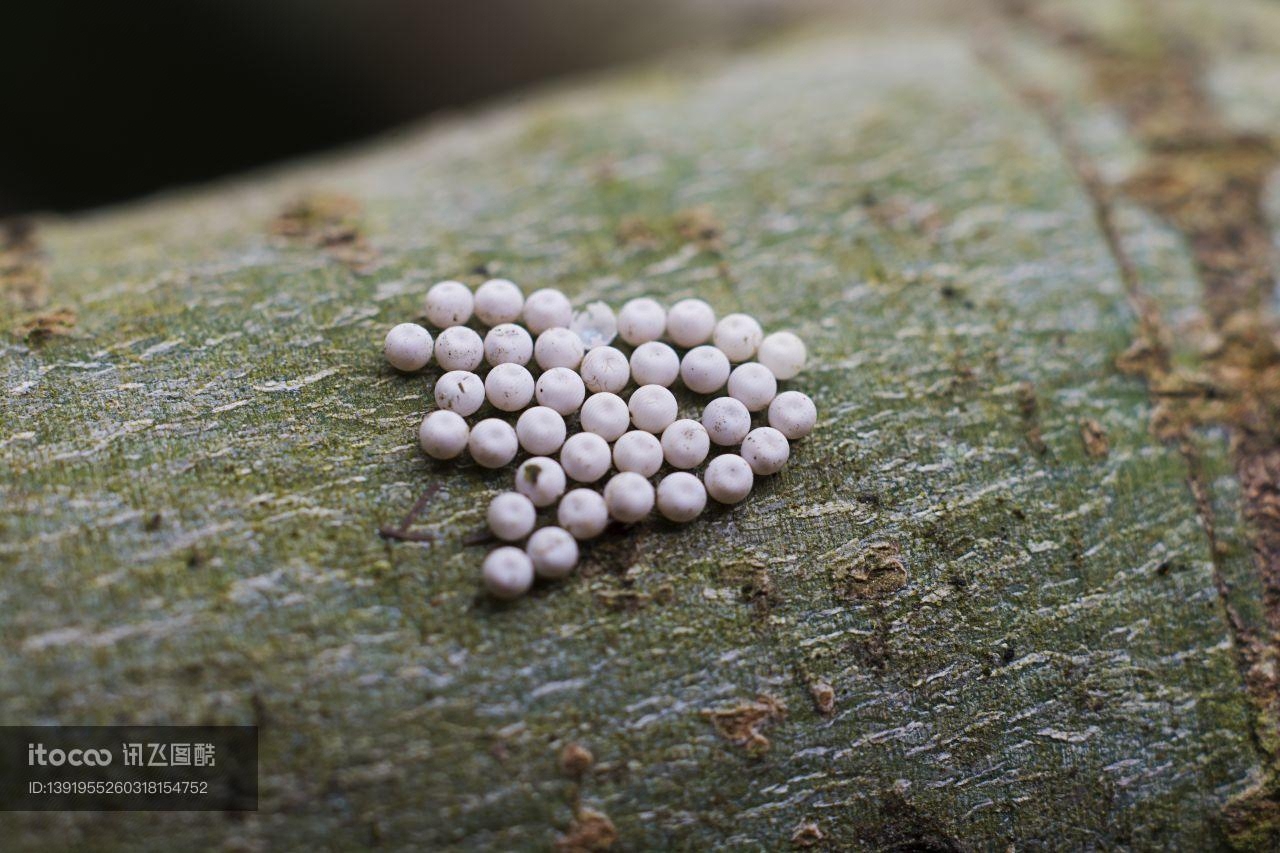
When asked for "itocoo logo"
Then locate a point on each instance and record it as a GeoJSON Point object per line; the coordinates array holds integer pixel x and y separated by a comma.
{"type": "Point", "coordinates": [38, 754]}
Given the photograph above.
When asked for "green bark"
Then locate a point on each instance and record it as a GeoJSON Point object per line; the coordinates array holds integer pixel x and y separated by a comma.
{"type": "Point", "coordinates": [1019, 628]}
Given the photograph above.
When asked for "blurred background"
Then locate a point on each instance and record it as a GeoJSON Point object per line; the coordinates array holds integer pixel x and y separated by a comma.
{"type": "Point", "coordinates": [105, 102]}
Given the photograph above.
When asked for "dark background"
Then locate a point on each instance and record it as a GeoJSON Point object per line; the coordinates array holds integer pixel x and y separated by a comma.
{"type": "Point", "coordinates": [108, 101]}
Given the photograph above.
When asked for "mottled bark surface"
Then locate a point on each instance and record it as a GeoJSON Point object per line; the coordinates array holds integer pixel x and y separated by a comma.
{"type": "Point", "coordinates": [989, 602]}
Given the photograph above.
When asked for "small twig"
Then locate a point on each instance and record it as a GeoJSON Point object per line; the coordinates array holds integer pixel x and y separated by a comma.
{"type": "Point", "coordinates": [389, 532]}
{"type": "Point", "coordinates": [479, 537]}
{"type": "Point", "coordinates": [1097, 192]}
{"type": "Point", "coordinates": [401, 532]}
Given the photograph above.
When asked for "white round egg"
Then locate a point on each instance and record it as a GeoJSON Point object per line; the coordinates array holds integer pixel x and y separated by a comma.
{"type": "Point", "coordinates": [511, 516]}
{"type": "Point", "coordinates": [541, 480]}
{"type": "Point", "coordinates": [738, 336]}
{"type": "Point", "coordinates": [507, 343]}
{"type": "Point", "coordinates": [492, 443]}
{"type": "Point", "coordinates": [753, 385]}
{"type": "Point", "coordinates": [459, 348]}
{"type": "Point", "coordinates": [558, 347]}
{"type": "Point", "coordinates": [407, 347]}
{"type": "Point", "coordinates": [443, 435]}
{"type": "Point", "coordinates": [766, 450]}
{"type": "Point", "coordinates": [728, 478]}
{"type": "Point", "coordinates": [783, 353]}
{"type": "Point", "coordinates": [653, 408]}
{"type": "Point", "coordinates": [641, 320]}
{"type": "Point", "coordinates": [507, 572]}
{"type": "Point", "coordinates": [541, 430]}
{"type": "Point", "coordinates": [638, 451]}
{"type": "Point", "coordinates": [606, 415]}
{"type": "Point", "coordinates": [690, 322]}
{"type": "Point", "coordinates": [459, 391]}
{"type": "Point", "coordinates": [681, 497]}
{"type": "Point", "coordinates": [554, 552]}
{"type": "Point", "coordinates": [583, 513]}
{"type": "Point", "coordinates": [629, 497]}
{"type": "Point", "coordinates": [793, 414]}
{"type": "Point", "coordinates": [685, 444]}
{"type": "Point", "coordinates": [498, 301]}
{"type": "Point", "coordinates": [655, 363]}
{"type": "Point", "coordinates": [585, 457]}
{"type": "Point", "coordinates": [509, 387]}
{"type": "Point", "coordinates": [561, 389]}
{"type": "Point", "coordinates": [727, 421]}
{"type": "Point", "coordinates": [448, 304]}
{"type": "Point", "coordinates": [546, 309]}
{"type": "Point", "coordinates": [605, 369]}
{"type": "Point", "coordinates": [704, 369]}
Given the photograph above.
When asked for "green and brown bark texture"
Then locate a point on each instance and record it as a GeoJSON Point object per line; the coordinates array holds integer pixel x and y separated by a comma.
{"type": "Point", "coordinates": [1022, 585]}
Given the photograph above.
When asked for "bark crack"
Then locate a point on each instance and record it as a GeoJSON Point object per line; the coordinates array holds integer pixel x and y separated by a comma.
{"type": "Point", "coordinates": [1206, 181]}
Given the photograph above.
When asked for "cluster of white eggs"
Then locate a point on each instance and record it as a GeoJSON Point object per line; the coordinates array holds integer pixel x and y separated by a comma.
{"type": "Point", "coordinates": [581, 375]}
